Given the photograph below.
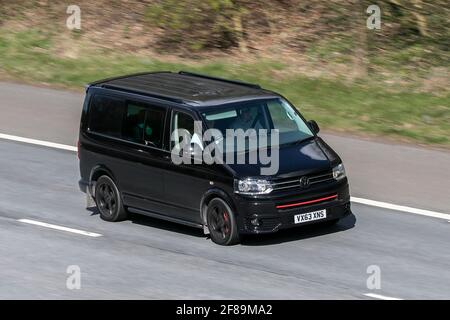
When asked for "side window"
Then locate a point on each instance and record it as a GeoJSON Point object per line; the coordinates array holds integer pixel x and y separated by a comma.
{"type": "Point", "coordinates": [105, 115]}
{"type": "Point", "coordinates": [181, 120]}
{"type": "Point", "coordinates": [133, 123]}
{"type": "Point", "coordinates": [154, 127]}
{"type": "Point", "coordinates": [143, 124]}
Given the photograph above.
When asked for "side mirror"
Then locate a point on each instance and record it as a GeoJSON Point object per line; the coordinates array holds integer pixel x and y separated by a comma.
{"type": "Point", "coordinates": [313, 126]}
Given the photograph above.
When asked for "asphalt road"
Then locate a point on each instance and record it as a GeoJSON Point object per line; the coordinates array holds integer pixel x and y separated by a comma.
{"type": "Point", "coordinates": [396, 173]}
{"type": "Point", "coordinates": [144, 258]}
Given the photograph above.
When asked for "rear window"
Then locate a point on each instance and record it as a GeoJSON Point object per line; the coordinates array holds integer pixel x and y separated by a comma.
{"type": "Point", "coordinates": [105, 115]}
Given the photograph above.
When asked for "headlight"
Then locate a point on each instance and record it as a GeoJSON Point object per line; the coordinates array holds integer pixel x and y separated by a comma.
{"type": "Point", "coordinates": [252, 186]}
{"type": "Point", "coordinates": [339, 172]}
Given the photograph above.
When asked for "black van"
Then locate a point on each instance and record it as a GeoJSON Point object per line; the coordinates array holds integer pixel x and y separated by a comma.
{"type": "Point", "coordinates": [126, 147]}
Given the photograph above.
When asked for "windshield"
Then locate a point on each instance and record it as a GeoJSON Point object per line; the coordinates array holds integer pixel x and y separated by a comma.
{"type": "Point", "coordinates": [267, 114]}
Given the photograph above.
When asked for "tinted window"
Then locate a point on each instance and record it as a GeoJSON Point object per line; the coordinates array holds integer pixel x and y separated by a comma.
{"type": "Point", "coordinates": [154, 127]}
{"type": "Point", "coordinates": [143, 124]}
{"type": "Point", "coordinates": [105, 115]}
{"type": "Point", "coordinates": [133, 123]}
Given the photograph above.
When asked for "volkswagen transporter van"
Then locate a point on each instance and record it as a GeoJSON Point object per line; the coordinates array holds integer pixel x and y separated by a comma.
{"type": "Point", "coordinates": [128, 135]}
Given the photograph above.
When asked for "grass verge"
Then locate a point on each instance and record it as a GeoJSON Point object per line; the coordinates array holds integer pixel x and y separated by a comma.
{"type": "Point", "coordinates": [362, 107]}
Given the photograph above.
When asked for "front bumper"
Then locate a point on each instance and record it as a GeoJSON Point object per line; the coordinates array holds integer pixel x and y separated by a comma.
{"type": "Point", "coordinates": [272, 219]}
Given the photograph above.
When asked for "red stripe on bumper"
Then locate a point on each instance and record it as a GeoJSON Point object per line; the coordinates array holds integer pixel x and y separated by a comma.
{"type": "Point", "coordinates": [305, 202]}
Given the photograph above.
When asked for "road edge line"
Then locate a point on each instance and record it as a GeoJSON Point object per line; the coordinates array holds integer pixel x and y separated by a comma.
{"type": "Point", "coordinates": [379, 296]}
{"type": "Point", "coordinates": [368, 202]}
{"type": "Point", "coordinates": [396, 207]}
{"type": "Point", "coordinates": [38, 142]}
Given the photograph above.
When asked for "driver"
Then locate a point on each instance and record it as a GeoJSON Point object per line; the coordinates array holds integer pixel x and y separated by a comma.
{"type": "Point", "coordinates": [247, 120]}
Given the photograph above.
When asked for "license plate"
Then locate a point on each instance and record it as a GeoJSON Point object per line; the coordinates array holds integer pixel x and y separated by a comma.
{"type": "Point", "coordinates": [310, 216]}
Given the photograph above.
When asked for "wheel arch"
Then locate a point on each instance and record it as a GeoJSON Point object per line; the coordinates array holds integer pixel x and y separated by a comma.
{"type": "Point", "coordinates": [97, 172]}
{"type": "Point", "coordinates": [211, 194]}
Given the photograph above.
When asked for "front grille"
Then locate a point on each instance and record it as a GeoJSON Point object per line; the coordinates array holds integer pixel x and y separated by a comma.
{"type": "Point", "coordinates": [288, 183]}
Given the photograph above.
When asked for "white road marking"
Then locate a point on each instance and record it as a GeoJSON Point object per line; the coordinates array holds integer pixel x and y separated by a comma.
{"type": "Point", "coordinates": [61, 228]}
{"type": "Point", "coordinates": [381, 297]}
{"type": "Point", "coordinates": [38, 142]}
{"type": "Point", "coordinates": [401, 208]}
{"type": "Point", "coordinates": [368, 202]}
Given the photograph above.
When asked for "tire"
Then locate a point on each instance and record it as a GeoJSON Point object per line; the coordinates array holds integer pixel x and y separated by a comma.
{"type": "Point", "coordinates": [109, 200]}
{"type": "Point", "coordinates": [221, 223]}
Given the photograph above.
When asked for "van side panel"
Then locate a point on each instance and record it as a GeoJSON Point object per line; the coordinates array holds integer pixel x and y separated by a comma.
{"type": "Point", "coordinates": [146, 176]}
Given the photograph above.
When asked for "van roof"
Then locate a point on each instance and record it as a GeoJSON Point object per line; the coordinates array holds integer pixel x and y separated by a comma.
{"type": "Point", "coordinates": [185, 87]}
